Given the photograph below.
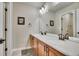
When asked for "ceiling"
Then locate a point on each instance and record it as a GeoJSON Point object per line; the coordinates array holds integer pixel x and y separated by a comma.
{"type": "Point", "coordinates": [60, 6]}
{"type": "Point", "coordinates": [38, 5]}
{"type": "Point", "coordinates": [33, 4]}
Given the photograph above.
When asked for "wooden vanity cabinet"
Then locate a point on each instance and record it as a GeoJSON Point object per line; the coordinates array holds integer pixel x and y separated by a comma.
{"type": "Point", "coordinates": [41, 49]}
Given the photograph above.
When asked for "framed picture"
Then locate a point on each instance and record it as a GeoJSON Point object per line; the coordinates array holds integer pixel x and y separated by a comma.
{"type": "Point", "coordinates": [51, 23]}
{"type": "Point", "coordinates": [21, 20]}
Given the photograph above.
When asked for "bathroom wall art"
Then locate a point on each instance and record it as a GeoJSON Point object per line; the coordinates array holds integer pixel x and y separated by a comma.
{"type": "Point", "coordinates": [21, 20]}
{"type": "Point", "coordinates": [51, 23]}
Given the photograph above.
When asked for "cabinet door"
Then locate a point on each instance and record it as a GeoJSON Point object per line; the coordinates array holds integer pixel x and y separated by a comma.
{"type": "Point", "coordinates": [53, 52]}
{"type": "Point", "coordinates": [41, 49]}
{"type": "Point", "coordinates": [57, 53]}
{"type": "Point", "coordinates": [35, 46]}
{"type": "Point", "coordinates": [50, 51]}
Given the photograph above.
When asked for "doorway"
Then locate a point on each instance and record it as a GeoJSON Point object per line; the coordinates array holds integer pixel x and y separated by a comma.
{"type": "Point", "coordinates": [68, 24]}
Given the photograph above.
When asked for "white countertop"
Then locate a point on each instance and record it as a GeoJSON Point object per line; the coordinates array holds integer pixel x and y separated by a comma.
{"type": "Point", "coordinates": [67, 47]}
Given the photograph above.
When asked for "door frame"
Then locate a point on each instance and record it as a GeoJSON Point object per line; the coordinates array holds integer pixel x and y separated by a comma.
{"type": "Point", "coordinates": [74, 20]}
{"type": "Point", "coordinates": [9, 28]}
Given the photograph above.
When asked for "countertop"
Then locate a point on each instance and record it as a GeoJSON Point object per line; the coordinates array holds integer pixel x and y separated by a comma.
{"type": "Point", "coordinates": [67, 47]}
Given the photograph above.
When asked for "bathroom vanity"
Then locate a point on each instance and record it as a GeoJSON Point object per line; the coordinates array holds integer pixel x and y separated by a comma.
{"type": "Point", "coordinates": [50, 45]}
{"type": "Point", "coordinates": [41, 48]}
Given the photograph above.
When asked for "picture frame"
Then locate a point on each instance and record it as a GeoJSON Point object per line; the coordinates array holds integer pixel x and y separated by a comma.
{"type": "Point", "coordinates": [21, 20]}
{"type": "Point", "coordinates": [51, 23]}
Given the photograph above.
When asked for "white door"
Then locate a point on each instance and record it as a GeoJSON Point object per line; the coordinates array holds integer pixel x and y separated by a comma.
{"type": "Point", "coordinates": [2, 31]}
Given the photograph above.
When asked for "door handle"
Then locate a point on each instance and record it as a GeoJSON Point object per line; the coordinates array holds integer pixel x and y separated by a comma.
{"type": "Point", "coordinates": [1, 41]}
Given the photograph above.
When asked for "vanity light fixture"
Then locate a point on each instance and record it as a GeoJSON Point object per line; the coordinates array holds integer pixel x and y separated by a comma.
{"type": "Point", "coordinates": [41, 12]}
{"type": "Point", "coordinates": [44, 9]}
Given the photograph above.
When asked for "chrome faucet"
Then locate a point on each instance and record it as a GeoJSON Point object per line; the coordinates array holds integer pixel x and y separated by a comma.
{"type": "Point", "coordinates": [62, 37]}
{"type": "Point", "coordinates": [66, 36]}
{"type": "Point", "coordinates": [43, 33]}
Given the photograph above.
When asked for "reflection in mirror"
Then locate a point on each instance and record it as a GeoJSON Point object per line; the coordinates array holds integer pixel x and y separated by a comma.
{"type": "Point", "coordinates": [67, 25]}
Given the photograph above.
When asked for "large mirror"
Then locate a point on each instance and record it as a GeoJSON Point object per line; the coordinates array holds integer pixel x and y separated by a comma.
{"type": "Point", "coordinates": [68, 24]}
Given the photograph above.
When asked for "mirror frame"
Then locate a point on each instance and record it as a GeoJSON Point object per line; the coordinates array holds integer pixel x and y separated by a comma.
{"type": "Point", "coordinates": [74, 20]}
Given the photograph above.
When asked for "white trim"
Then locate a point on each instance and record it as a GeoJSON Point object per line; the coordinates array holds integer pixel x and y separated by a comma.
{"type": "Point", "coordinates": [10, 27]}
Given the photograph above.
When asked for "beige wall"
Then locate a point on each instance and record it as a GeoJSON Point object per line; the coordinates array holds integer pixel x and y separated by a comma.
{"type": "Point", "coordinates": [45, 19]}
{"type": "Point", "coordinates": [20, 32]}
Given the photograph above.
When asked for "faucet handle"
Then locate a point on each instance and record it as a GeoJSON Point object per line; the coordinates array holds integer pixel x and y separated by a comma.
{"type": "Point", "coordinates": [67, 36]}
{"type": "Point", "coordinates": [61, 36]}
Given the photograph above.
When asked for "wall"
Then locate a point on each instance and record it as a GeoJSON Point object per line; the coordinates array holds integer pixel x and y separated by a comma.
{"type": "Point", "coordinates": [21, 32]}
{"type": "Point", "coordinates": [58, 14]}
{"type": "Point", "coordinates": [45, 22]}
